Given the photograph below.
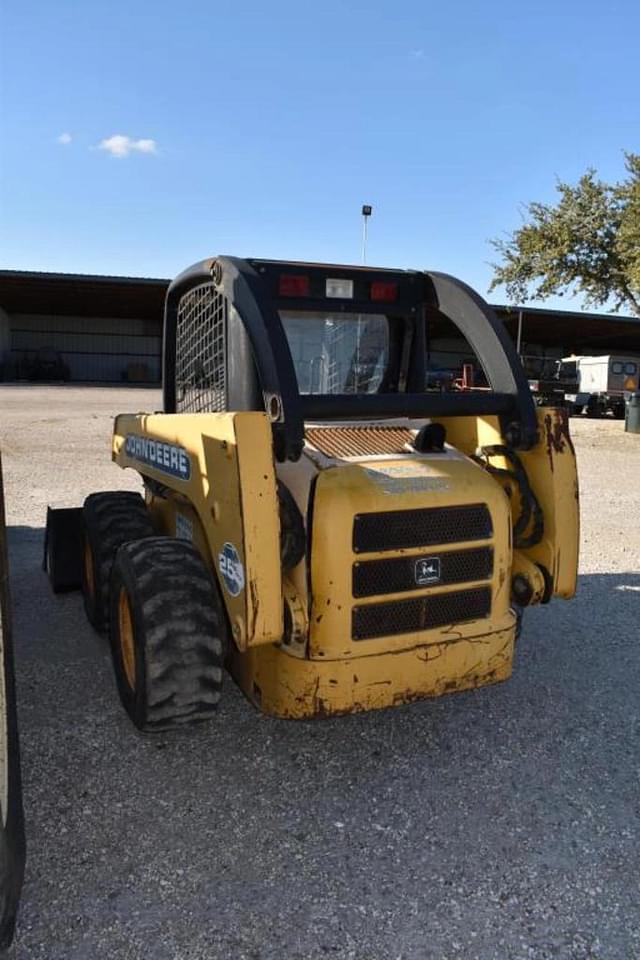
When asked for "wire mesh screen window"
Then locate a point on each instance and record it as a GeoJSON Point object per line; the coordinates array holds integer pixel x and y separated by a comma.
{"type": "Point", "coordinates": [201, 351]}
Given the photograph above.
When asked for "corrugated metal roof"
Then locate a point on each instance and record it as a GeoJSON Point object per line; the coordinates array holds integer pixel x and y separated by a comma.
{"type": "Point", "coordinates": [571, 330]}
{"type": "Point", "coordinates": [82, 295]}
{"type": "Point", "coordinates": [511, 310]}
{"type": "Point", "coordinates": [99, 295]}
{"type": "Point", "coordinates": [93, 277]}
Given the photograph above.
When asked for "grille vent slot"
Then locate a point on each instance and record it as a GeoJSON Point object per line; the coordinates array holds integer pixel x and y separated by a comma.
{"type": "Point", "coordinates": [421, 613]}
{"type": "Point", "coordinates": [398, 529]}
{"type": "Point", "coordinates": [397, 574]}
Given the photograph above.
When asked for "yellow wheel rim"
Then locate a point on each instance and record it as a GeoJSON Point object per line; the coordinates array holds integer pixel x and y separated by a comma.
{"type": "Point", "coordinates": [88, 569]}
{"type": "Point", "coordinates": [125, 632]}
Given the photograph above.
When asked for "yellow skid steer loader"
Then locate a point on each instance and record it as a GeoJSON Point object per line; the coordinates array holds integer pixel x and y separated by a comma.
{"type": "Point", "coordinates": [317, 520]}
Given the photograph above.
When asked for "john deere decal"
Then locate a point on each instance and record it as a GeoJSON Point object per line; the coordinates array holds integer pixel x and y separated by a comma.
{"type": "Point", "coordinates": [167, 457]}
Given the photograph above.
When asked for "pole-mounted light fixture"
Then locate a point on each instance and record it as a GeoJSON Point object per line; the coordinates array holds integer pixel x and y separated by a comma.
{"type": "Point", "coordinates": [366, 213]}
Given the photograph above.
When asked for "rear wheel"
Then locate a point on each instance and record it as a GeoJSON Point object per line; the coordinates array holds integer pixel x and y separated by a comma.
{"type": "Point", "coordinates": [110, 519]}
{"type": "Point", "coordinates": [168, 633]}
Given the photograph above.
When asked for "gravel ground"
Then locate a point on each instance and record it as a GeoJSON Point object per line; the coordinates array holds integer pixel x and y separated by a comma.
{"type": "Point", "coordinates": [501, 823]}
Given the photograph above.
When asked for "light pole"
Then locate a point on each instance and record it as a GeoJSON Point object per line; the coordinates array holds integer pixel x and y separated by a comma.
{"type": "Point", "coordinates": [366, 213]}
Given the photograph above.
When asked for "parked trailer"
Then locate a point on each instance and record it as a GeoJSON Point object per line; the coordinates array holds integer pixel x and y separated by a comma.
{"type": "Point", "coordinates": [602, 382]}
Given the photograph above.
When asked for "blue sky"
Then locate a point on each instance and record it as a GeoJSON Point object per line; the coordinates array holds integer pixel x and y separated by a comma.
{"type": "Point", "coordinates": [261, 128]}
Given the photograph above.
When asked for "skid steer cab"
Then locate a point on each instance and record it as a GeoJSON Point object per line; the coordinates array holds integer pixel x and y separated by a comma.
{"type": "Point", "coordinates": [316, 520]}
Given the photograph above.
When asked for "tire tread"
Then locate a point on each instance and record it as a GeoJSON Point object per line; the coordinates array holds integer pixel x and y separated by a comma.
{"type": "Point", "coordinates": [183, 632]}
{"type": "Point", "coordinates": [111, 519]}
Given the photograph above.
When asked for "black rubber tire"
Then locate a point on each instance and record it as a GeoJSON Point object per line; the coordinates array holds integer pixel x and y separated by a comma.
{"type": "Point", "coordinates": [110, 519]}
{"type": "Point", "coordinates": [63, 548]}
{"type": "Point", "coordinates": [293, 541]}
{"type": "Point", "coordinates": [179, 633]}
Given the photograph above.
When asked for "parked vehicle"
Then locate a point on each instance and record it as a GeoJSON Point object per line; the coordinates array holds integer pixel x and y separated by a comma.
{"type": "Point", "coordinates": [556, 380]}
{"type": "Point", "coordinates": [602, 383]}
{"type": "Point", "coordinates": [46, 364]}
{"type": "Point", "coordinates": [316, 522]}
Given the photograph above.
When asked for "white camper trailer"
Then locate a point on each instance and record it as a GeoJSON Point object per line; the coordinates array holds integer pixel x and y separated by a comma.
{"type": "Point", "coordinates": [602, 383]}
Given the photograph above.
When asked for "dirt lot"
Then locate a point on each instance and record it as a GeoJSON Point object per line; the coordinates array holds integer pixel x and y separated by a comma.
{"type": "Point", "coordinates": [501, 823]}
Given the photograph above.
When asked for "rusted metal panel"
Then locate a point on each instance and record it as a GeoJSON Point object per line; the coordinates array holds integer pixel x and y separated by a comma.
{"type": "Point", "coordinates": [288, 686]}
{"type": "Point", "coordinates": [552, 471]}
{"type": "Point", "coordinates": [221, 464]}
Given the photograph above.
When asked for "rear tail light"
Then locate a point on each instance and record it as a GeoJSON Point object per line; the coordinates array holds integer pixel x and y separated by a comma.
{"type": "Point", "coordinates": [293, 285]}
{"type": "Point", "coordinates": [384, 290]}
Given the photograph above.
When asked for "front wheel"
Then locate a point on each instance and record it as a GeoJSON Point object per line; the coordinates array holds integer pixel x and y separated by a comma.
{"type": "Point", "coordinates": [109, 519]}
{"type": "Point", "coordinates": [168, 632]}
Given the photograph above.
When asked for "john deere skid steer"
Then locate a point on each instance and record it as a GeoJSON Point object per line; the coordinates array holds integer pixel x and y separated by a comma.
{"type": "Point", "coordinates": [315, 520]}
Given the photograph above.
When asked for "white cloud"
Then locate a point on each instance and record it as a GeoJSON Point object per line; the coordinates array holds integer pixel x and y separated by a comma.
{"type": "Point", "coordinates": [65, 138]}
{"type": "Point", "coordinates": [145, 146]}
{"type": "Point", "coordinates": [417, 54]}
{"type": "Point", "coordinates": [121, 146]}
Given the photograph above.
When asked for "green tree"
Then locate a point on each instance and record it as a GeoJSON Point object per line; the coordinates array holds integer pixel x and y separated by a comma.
{"type": "Point", "coordinates": [587, 243]}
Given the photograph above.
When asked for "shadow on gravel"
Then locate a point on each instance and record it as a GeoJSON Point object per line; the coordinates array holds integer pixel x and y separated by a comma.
{"type": "Point", "coordinates": [574, 647]}
{"type": "Point", "coordinates": [498, 820]}
{"type": "Point", "coordinates": [602, 617]}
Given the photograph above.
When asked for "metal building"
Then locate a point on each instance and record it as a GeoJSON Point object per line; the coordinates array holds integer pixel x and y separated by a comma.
{"type": "Point", "coordinates": [109, 330]}
{"type": "Point", "coordinates": [80, 328]}
{"type": "Point", "coordinates": [542, 335]}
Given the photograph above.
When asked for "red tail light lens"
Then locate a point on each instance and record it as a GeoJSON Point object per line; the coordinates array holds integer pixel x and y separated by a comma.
{"type": "Point", "coordinates": [293, 285]}
{"type": "Point", "coordinates": [384, 290]}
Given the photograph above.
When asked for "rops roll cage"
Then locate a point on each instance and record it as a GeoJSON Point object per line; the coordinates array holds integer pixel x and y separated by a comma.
{"type": "Point", "coordinates": [250, 290]}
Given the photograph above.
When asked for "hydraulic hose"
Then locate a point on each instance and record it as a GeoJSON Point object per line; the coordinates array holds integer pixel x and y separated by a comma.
{"type": "Point", "coordinates": [531, 514]}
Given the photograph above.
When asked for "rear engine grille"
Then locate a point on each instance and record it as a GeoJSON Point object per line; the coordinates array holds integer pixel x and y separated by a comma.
{"type": "Point", "coordinates": [396, 529]}
{"type": "Point", "coordinates": [422, 613]}
{"type": "Point", "coordinates": [358, 441]}
{"type": "Point", "coordinates": [375, 577]}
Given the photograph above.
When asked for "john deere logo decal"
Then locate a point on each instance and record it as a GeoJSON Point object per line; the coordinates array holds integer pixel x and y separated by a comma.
{"type": "Point", "coordinates": [167, 457]}
{"type": "Point", "coordinates": [231, 569]}
{"type": "Point", "coordinates": [427, 570]}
